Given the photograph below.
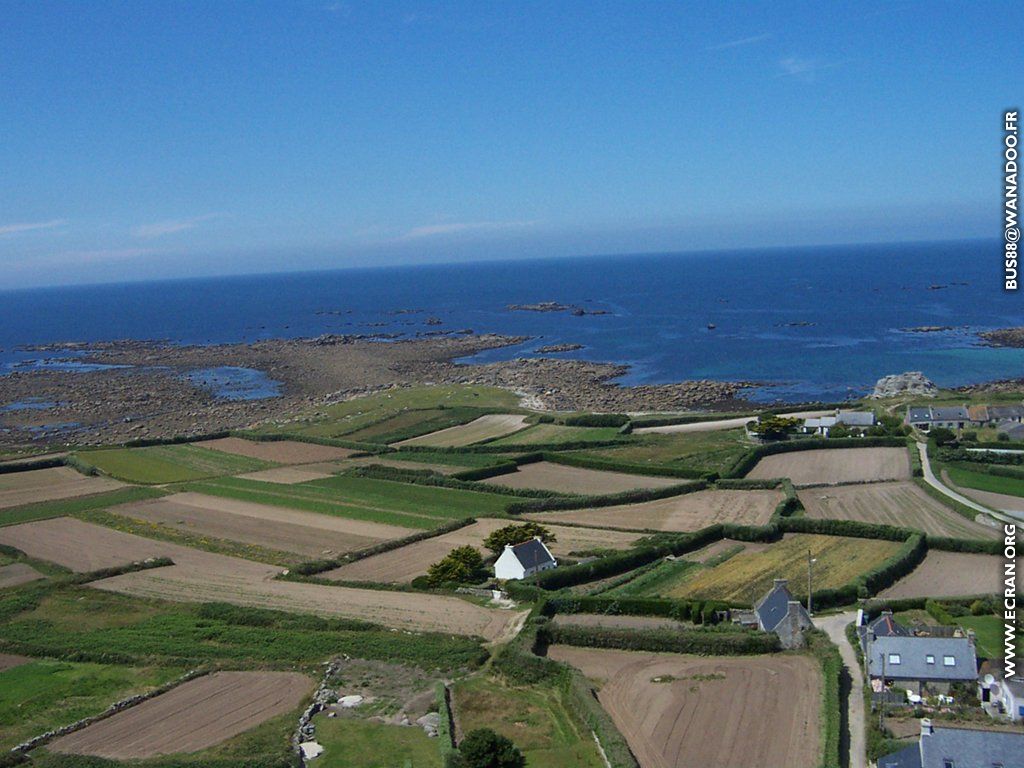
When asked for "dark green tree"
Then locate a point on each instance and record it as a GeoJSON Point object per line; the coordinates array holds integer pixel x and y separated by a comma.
{"type": "Point", "coordinates": [462, 564]}
{"type": "Point", "coordinates": [483, 748]}
{"type": "Point", "coordinates": [516, 534]}
{"type": "Point", "coordinates": [942, 436]}
{"type": "Point", "coordinates": [772, 427]}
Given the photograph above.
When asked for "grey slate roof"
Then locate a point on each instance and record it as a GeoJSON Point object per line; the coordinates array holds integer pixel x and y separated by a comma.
{"type": "Point", "coordinates": [532, 554]}
{"type": "Point", "coordinates": [919, 413]}
{"type": "Point", "coordinates": [884, 626]}
{"type": "Point", "coordinates": [998, 412]}
{"type": "Point", "coordinates": [968, 748]}
{"type": "Point", "coordinates": [949, 413]}
{"type": "Point", "coordinates": [774, 606]}
{"type": "Point", "coordinates": [913, 662]}
{"type": "Point", "coordinates": [908, 757]}
{"type": "Point", "coordinates": [856, 418]}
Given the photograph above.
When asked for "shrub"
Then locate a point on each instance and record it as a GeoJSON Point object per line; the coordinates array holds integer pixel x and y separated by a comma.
{"type": "Point", "coordinates": [596, 420]}
{"type": "Point", "coordinates": [483, 748]}
{"type": "Point", "coordinates": [461, 565]}
{"type": "Point", "coordinates": [942, 436]}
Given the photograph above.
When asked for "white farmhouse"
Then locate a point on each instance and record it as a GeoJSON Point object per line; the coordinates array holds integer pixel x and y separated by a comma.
{"type": "Point", "coordinates": [522, 560]}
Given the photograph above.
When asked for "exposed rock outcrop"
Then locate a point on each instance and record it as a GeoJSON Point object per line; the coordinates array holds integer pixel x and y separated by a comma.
{"type": "Point", "coordinates": [909, 383]}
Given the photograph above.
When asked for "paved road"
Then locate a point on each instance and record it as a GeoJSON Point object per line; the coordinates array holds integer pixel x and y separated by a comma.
{"type": "Point", "coordinates": [934, 482]}
{"type": "Point", "coordinates": [835, 627]}
{"type": "Point", "coordinates": [714, 426]}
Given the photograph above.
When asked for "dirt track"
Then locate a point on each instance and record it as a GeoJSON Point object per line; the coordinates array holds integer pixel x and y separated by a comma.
{"type": "Point", "coordinates": [306, 533]}
{"type": "Point", "coordinates": [950, 574]}
{"type": "Point", "coordinates": [193, 716]}
{"type": "Point", "coordinates": [483, 428]}
{"type": "Point", "coordinates": [405, 564]}
{"type": "Point", "coordinates": [280, 451]}
{"type": "Point", "coordinates": [18, 573]}
{"type": "Point", "coordinates": [688, 512]}
{"type": "Point", "coordinates": [199, 576]}
{"type": "Point", "coordinates": [900, 504]}
{"type": "Point", "coordinates": [835, 465]}
{"type": "Point", "coordinates": [713, 712]}
{"type": "Point", "coordinates": [17, 488]}
{"type": "Point", "coordinates": [10, 661]}
{"type": "Point", "coordinates": [560, 477]}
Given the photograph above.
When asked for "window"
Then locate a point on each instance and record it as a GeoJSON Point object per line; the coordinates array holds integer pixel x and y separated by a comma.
{"type": "Point", "coordinates": [949, 661]}
{"type": "Point", "coordinates": [948, 764]}
{"type": "Point", "coordinates": [929, 659]}
{"type": "Point", "coordinates": [894, 658]}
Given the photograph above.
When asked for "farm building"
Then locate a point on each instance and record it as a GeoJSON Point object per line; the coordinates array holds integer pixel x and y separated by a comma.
{"type": "Point", "coordinates": [930, 417]}
{"type": "Point", "coordinates": [941, 747]}
{"type": "Point", "coordinates": [1002, 413]}
{"type": "Point", "coordinates": [522, 560]}
{"type": "Point", "coordinates": [921, 664]}
{"type": "Point", "coordinates": [853, 419]}
{"type": "Point", "coordinates": [779, 612]}
{"type": "Point", "coordinates": [884, 626]}
{"type": "Point", "coordinates": [1001, 697]}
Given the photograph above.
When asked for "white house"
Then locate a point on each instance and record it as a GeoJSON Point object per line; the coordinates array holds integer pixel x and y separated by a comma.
{"type": "Point", "coordinates": [522, 560]}
{"type": "Point", "coordinates": [823, 424]}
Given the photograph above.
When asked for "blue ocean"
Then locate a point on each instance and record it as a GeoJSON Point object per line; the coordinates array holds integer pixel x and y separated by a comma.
{"type": "Point", "coordinates": [814, 323]}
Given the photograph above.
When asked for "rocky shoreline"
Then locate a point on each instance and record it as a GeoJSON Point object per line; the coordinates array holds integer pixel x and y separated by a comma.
{"type": "Point", "coordinates": [1004, 337]}
{"type": "Point", "coordinates": [150, 397]}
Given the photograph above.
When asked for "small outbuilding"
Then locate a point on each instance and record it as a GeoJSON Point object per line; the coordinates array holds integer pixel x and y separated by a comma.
{"type": "Point", "coordinates": [779, 612]}
{"type": "Point", "coordinates": [521, 560]}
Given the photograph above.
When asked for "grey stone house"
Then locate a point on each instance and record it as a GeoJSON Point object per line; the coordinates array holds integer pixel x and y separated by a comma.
{"type": "Point", "coordinates": [921, 665]}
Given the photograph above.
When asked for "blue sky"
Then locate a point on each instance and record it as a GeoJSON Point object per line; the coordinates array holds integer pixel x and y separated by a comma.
{"type": "Point", "coordinates": [147, 140]}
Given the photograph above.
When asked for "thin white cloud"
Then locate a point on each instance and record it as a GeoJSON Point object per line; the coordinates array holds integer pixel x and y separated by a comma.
{"type": "Point", "coordinates": [162, 228]}
{"type": "Point", "coordinates": [13, 229]}
{"type": "Point", "coordinates": [741, 42]}
{"type": "Point", "coordinates": [458, 227]}
{"type": "Point", "coordinates": [804, 69]}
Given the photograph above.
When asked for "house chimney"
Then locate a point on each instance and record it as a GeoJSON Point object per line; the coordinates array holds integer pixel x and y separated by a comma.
{"type": "Point", "coordinates": [781, 582]}
{"type": "Point", "coordinates": [508, 546]}
{"type": "Point", "coordinates": [926, 726]}
{"type": "Point", "coordinates": [887, 612]}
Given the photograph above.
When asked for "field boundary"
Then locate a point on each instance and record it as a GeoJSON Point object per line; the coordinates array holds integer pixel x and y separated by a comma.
{"type": "Point", "coordinates": [561, 503]}
{"type": "Point", "coordinates": [745, 463]}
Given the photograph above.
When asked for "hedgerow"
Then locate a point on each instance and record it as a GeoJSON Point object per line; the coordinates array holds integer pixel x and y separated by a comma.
{"type": "Point", "coordinates": [704, 642]}
{"type": "Point", "coordinates": [746, 462]}
{"type": "Point", "coordinates": [831, 663]}
{"type": "Point", "coordinates": [612, 465]}
{"type": "Point", "coordinates": [635, 496]}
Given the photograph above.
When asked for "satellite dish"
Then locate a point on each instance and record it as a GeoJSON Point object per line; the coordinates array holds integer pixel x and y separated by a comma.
{"type": "Point", "coordinates": [989, 679]}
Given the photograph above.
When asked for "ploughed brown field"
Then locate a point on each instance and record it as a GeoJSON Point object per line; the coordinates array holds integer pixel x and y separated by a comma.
{"type": "Point", "coordinates": [199, 576]}
{"type": "Point", "coordinates": [484, 428]}
{"type": "Point", "coordinates": [17, 488]}
{"type": "Point", "coordinates": [901, 504]}
{"type": "Point", "coordinates": [18, 573]}
{"type": "Point", "coordinates": [280, 451]}
{"type": "Point", "coordinates": [688, 512]}
{"type": "Point", "coordinates": [713, 712]}
{"type": "Point", "coordinates": [559, 477]}
{"type": "Point", "coordinates": [289, 530]}
{"type": "Point", "coordinates": [405, 564]}
{"type": "Point", "coordinates": [950, 574]}
{"type": "Point", "coordinates": [827, 466]}
{"type": "Point", "coordinates": [195, 715]}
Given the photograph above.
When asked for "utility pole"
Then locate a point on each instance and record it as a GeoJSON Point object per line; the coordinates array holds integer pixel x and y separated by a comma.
{"type": "Point", "coordinates": [881, 708]}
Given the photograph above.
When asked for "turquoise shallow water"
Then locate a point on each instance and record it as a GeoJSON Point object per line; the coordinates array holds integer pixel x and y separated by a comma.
{"type": "Point", "coordinates": [814, 322]}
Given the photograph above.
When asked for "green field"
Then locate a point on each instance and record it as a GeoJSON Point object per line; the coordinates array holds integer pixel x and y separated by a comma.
{"type": "Point", "coordinates": [42, 695]}
{"type": "Point", "coordinates": [536, 719]}
{"type": "Point", "coordinates": [359, 498]}
{"type": "Point", "coordinates": [170, 463]}
{"type": "Point", "coordinates": [63, 507]}
{"type": "Point", "coordinates": [344, 419]}
{"type": "Point", "coordinates": [701, 451]}
{"type": "Point", "coordinates": [350, 742]}
{"type": "Point", "coordinates": [408, 424]}
{"type": "Point", "coordinates": [747, 576]}
{"type": "Point", "coordinates": [552, 434]}
{"type": "Point", "coordinates": [93, 625]}
{"type": "Point", "coordinates": [982, 481]}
